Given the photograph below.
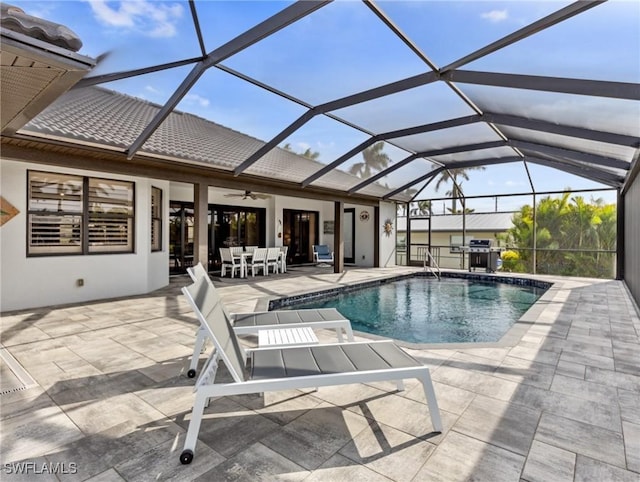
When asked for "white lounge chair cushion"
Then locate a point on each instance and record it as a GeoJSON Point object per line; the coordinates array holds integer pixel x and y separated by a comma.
{"type": "Point", "coordinates": [327, 359]}
{"type": "Point", "coordinates": [286, 317]}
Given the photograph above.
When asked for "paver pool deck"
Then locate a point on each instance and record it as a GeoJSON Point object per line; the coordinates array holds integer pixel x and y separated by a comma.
{"type": "Point", "coordinates": [98, 391]}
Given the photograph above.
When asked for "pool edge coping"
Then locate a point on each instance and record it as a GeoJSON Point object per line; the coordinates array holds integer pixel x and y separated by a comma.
{"type": "Point", "coordinates": [511, 338]}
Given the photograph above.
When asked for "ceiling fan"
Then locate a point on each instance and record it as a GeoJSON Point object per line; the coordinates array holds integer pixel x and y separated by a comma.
{"type": "Point", "coordinates": [248, 194]}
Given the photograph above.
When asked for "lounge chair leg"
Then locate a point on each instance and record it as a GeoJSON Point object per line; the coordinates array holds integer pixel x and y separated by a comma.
{"type": "Point", "coordinates": [400, 385]}
{"type": "Point", "coordinates": [201, 338]}
{"type": "Point", "coordinates": [349, 331]}
{"type": "Point", "coordinates": [194, 428]}
{"type": "Point", "coordinates": [432, 402]}
{"type": "Point", "coordinates": [339, 333]}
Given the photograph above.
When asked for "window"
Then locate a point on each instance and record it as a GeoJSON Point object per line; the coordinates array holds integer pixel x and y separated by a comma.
{"type": "Point", "coordinates": [156, 219]}
{"type": "Point", "coordinates": [79, 215]}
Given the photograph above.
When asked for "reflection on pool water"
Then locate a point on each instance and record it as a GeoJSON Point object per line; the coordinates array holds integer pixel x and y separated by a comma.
{"type": "Point", "coordinates": [424, 310]}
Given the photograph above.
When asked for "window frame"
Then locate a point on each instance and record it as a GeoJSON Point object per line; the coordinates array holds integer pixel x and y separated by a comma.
{"type": "Point", "coordinates": [85, 215]}
{"type": "Point", "coordinates": [157, 216]}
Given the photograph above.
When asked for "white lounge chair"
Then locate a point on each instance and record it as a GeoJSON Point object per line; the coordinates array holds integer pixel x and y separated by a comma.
{"type": "Point", "coordinates": [250, 323]}
{"type": "Point", "coordinates": [308, 366]}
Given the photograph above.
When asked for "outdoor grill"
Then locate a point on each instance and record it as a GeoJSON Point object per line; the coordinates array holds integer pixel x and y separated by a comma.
{"type": "Point", "coordinates": [482, 254]}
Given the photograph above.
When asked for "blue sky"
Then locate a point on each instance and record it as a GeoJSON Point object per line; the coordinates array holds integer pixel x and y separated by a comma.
{"type": "Point", "coordinates": [343, 48]}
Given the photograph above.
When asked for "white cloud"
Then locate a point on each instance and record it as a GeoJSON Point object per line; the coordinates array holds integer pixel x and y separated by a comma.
{"type": "Point", "coordinates": [151, 89]}
{"type": "Point", "coordinates": [197, 99]}
{"type": "Point", "coordinates": [149, 18]}
{"type": "Point", "coordinates": [495, 16]}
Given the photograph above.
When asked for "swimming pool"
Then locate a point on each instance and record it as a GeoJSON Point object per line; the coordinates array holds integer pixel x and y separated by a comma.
{"type": "Point", "coordinates": [425, 310]}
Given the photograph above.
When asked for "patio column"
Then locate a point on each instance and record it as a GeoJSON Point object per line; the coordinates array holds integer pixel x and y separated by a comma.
{"type": "Point", "coordinates": [201, 224]}
{"type": "Point", "coordinates": [376, 235]}
{"type": "Point", "coordinates": [338, 237]}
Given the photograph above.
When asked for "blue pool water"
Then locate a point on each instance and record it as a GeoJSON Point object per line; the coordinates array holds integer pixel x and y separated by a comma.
{"type": "Point", "coordinates": [424, 310]}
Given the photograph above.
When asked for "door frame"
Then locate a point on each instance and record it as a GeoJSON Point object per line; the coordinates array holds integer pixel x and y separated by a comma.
{"type": "Point", "coordinates": [352, 260]}
{"type": "Point", "coordinates": [312, 238]}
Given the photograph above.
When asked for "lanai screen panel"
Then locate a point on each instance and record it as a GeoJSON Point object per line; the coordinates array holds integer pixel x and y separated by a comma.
{"type": "Point", "coordinates": [434, 102]}
{"type": "Point", "coordinates": [224, 20]}
{"type": "Point", "coordinates": [223, 98]}
{"type": "Point", "coordinates": [343, 48]}
{"type": "Point", "coordinates": [340, 49]}
{"type": "Point", "coordinates": [322, 136]}
{"type": "Point", "coordinates": [494, 153]}
{"type": "Point", "coordinates": [409, 173]}
{"type": "Point", "coordinates": [494, 179]}
{"type": "Point", "coordinates": [376, 159]}
{"type": "Point", "coordinates": [607, 37]}
{"type": "Point", "coordinates": [547, 179]}
{"type": "Point", "coordinates": [604, 149]}
{"type": "Point", "coordinates": [596, 113]}
{"type": "Point", "coordinates": [478, 133]}
{"type": "Point", "coordinates": [447, 31]}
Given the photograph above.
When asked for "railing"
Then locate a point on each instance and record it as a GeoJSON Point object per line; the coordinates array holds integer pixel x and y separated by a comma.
{"type": "Point", "coordinates": [425, 255]}
{"type": "Point", "coordinates": [591, 263]}
{"type": "Point", "coordinates": [562, 261]}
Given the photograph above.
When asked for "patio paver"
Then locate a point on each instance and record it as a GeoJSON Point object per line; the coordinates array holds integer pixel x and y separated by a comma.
{"type": "Point", "coordinates": [561, 402]}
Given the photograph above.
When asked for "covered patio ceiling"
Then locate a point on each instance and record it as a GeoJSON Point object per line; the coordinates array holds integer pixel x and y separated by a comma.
{"type": "Point", "coordinates": [435, 86]}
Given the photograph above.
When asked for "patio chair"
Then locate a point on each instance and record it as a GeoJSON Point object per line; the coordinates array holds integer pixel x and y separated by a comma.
{"type": "Point", "coordinates": [258, 261]}
{"type": "Point", "coordinates": [229, 261]}
{"type": "Point", "coordinates": [273, 259]}
{"type": "Point", "coordinates": [283, 258]}
{"type": "Point", "coordinates": [251, 323]}
{"type": "Point", "coordinates": [299, 367]}
{"type": "Point", "coordinates": [322, 255]}
{"type": "Point", "coordinates": [236, 251]}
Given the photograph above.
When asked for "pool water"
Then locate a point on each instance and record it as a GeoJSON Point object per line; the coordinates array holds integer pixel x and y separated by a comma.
{"type": "Point", "coordinates": [425, 310]}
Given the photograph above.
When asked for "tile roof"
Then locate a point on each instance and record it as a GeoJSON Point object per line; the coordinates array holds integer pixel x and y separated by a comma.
{"type": "Point", "coordinates": [97, 116]}
{"type": "Point", "coordinates": [15, 19]}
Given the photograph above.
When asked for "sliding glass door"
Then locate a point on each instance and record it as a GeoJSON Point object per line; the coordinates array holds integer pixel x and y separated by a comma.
{"type": "Point", "coordinates": [300, 233]}
{"type": "Point", "coordinates": [227, 226]}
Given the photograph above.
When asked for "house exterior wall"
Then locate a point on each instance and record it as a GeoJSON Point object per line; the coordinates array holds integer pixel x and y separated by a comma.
{"type": "Point", "coordinates": [632, 239]}
{"type": "Point", "coordinates": [364, 230]}
{"type": "Point", "coordinates": [441, 242]}
{"type": "Point", "coordinates": [364, 236]}
{"type": "Point", "coordinates": [387, 243]}
{"type": "Point", "coordinates": [28, 282]}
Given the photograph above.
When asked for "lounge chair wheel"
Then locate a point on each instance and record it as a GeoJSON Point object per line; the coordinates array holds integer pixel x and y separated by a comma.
{"type": "Point", "coordinates": [191, 373]}
{"type": "Point", "coordinates": [186, 457]}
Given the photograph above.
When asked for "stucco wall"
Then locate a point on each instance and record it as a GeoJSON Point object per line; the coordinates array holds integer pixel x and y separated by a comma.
{"type": "Point", "coordinates": [50, 280]}
{"type": "Point", "coordinates": [387, 243]}
{"type": "Point", "coordinates": [632, 239]}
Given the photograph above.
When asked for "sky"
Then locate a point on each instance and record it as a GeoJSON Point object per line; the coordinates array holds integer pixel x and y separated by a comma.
{"type": "Point", "coordinates": [343, 48]}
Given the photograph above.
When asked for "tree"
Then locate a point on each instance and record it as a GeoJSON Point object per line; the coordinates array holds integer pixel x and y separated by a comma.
{"type": "Point", "coordinates": [572, 236]}
{"type": "Point", "coordinates": [374, 160]}
{"type": "Point", "coordinates": [420, 208]}
{"type": "Point", "coordinates": [308, 153]}
{"type": "Point", "coordinates": [453, 176]}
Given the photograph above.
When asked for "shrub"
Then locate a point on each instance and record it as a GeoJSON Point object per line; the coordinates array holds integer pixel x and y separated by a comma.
{"type": "Point", "coordinates": [510, 261]}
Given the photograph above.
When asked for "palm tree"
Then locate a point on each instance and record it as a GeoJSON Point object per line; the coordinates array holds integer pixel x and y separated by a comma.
{"type": "Point", "coordinates": [421, 208]}
{"type": "Point", "coordinates": [308, 153]}
{"type": "Point", "coordinates": [374, 160]}
{"type": "Point", "coordinates": [453, 175]}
